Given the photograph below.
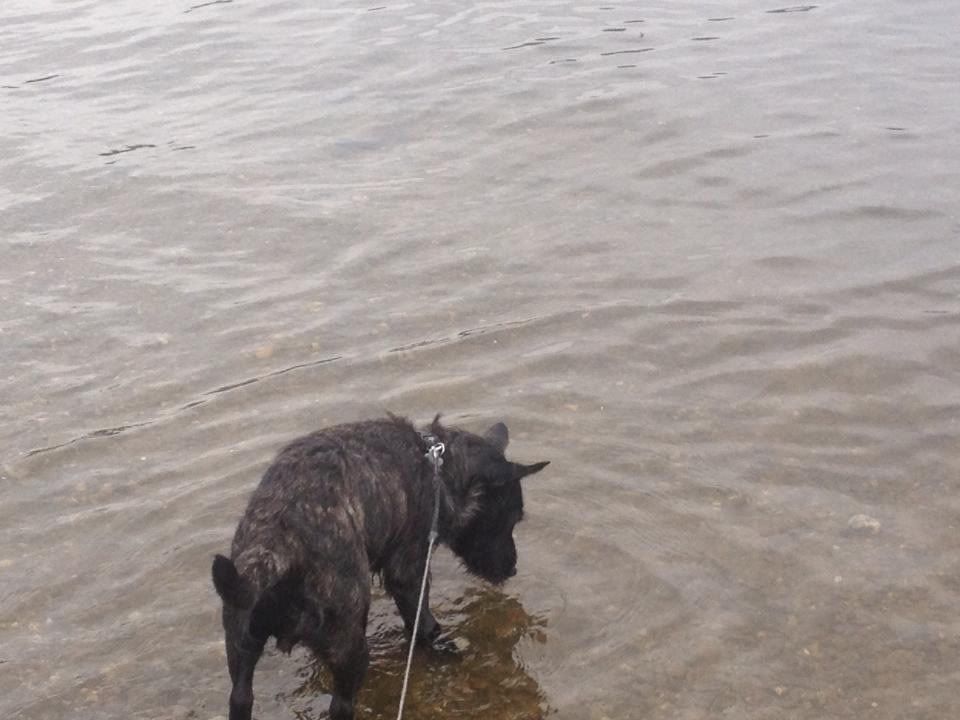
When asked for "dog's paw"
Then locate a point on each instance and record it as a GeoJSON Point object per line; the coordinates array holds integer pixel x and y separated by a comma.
{"type": "Point", "coordinates": [449, 646]}
{"type": "Point", "coordinates": [430, 630]}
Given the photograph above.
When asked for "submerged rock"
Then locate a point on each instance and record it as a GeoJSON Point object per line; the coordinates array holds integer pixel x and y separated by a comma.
{"type": "Point", "coordinates": [863, 522]}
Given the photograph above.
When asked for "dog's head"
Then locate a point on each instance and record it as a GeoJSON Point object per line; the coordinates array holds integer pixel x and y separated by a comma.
{"type": "Point", "coordinates": [485, 499]}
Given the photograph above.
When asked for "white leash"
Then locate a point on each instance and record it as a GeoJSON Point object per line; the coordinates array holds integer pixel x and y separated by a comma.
{"type": "Point", "coordinates": [435, 453]}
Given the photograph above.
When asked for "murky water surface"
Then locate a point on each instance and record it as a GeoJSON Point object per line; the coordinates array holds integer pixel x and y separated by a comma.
{"type": "Point", "coordinates": [704, 256]}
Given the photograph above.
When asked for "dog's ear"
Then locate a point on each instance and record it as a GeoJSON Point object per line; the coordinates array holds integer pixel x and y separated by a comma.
{"type": "Point", "coordinates": [231, 588]}
{"type": "Point", "coordinates": [436, 429]}
{"type": "Point", "coordinates": [498, 436]}
{"type": "Point", "coordinates": [521, 471]}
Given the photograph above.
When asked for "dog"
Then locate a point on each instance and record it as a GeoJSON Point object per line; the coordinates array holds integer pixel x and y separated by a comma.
{"type": "Point", "coordinates": [341, 505]}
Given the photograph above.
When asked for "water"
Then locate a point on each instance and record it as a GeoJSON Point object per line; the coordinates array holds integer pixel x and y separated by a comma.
{"type": "Point", "coordinates": [701, 255]}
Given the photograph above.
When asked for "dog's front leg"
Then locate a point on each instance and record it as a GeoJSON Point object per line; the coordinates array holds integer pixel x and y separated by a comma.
{"type": "Point", "coordinates": [402, 581]}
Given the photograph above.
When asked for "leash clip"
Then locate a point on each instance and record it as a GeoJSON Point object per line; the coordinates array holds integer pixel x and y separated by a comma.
{"type": "Point", "coordinates": [435, 453]}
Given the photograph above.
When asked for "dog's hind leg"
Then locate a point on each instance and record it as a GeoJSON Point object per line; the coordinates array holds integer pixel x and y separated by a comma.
{"type": "Point", "coordinates": [344, 648]}
{"type": "Point", "coordinates": [348, 669]}
{"type": "Point", "coordinates": [241, 695]}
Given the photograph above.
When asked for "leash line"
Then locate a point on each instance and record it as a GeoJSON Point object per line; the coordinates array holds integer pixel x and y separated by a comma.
{"type": "Point", "coordinates": [435, 453]}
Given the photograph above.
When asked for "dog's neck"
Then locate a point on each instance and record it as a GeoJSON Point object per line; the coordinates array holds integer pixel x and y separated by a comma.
{"type": "Point", "coordinates": [428, 439]}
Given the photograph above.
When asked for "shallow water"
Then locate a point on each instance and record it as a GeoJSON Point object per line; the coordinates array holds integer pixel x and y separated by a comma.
{"type": "Point", "coordinates": [702, 256]}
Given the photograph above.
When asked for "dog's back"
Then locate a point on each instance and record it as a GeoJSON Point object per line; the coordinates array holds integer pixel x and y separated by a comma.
{"type": "Point", "coordinates": [332, 493]}
{"type": "Point", "coordinates": [321, 520]}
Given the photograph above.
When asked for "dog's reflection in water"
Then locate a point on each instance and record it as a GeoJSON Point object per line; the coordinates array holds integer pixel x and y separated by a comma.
{"type": "Point", "coordinates": [483, 679]}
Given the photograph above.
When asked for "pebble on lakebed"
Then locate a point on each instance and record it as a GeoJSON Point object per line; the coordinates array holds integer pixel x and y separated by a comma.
{"type": "Point", "coordinates": [863, 522]}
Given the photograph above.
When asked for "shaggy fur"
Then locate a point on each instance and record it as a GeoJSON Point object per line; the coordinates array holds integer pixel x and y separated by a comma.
{"type": "Point", "coordinates": [341, 504]}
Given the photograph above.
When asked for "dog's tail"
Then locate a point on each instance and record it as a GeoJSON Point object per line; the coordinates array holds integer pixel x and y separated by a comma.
{"type": "Point", "coordinates": [234, 590]}
{"type": "Point", "coordinates": [251, 571]}
{"type": "Point", "coordinates": [266, 590]}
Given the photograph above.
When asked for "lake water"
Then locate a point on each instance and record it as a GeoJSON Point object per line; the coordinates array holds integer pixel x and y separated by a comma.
{"type": "Point", "coordinates": [704, 256]}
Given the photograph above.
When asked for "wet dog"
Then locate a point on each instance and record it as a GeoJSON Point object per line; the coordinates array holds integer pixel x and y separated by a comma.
{"type": "Point", "coordinates": [342, 504]}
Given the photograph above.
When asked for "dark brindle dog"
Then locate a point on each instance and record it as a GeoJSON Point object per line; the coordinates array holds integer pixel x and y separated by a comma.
{"type": "Point", "coordinates": [345, 502]}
